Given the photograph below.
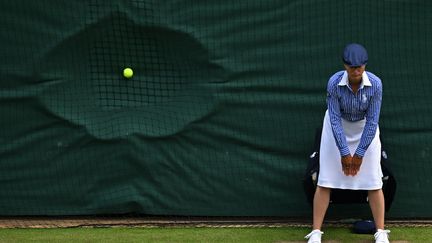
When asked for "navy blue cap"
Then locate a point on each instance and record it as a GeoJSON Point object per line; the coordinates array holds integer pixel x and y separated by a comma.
{"type": "Point", "coordinates": [355, 55]}
{"type": "Point", "coordinates": [364, 227]}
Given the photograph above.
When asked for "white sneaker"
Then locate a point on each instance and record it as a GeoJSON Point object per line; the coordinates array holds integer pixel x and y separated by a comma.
{"type": "Point", "coordinates": [382, 236]}
{"type": "Point", "coordinates": [314, 236]}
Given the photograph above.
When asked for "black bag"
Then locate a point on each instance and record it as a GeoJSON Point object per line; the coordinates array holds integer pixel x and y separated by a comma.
{"type": "Point", "coordinates": [343, 195]}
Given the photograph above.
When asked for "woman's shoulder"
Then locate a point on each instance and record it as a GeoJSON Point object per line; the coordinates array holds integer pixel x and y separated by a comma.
{"type": "Point", "coordinates": [336, 77]}
{"type": "Point", "coordinates": [375, 80]}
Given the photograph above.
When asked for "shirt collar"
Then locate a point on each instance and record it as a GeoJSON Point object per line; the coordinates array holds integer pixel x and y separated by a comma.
{"type": "Point", "coordinates": [365, 80]}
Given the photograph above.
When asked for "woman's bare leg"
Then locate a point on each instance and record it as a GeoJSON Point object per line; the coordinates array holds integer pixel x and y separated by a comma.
{"type": "Point", "coordinates": [320, 205]}
{"type": "Point", "coordinates": [376, 203]}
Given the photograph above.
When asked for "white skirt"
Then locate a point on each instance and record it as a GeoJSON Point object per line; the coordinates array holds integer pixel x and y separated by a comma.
{"type": "Point", "coordinates": [331, 175]}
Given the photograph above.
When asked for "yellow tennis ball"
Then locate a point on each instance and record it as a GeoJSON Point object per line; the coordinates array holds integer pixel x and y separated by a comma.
{"type": "Point", "coordinates": [128, 72]}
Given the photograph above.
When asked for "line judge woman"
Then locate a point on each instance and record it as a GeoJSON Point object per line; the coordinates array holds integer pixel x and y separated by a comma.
{"type": "Point", "coordinates": [350, 150]}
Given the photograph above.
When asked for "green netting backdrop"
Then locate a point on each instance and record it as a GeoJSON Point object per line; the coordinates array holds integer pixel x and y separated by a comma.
{"type": "Point", "coordinates": [220, 115]}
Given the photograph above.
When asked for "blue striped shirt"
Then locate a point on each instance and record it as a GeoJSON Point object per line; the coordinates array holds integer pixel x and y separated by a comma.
{"type": "Point", "coordinates": [342, 103]}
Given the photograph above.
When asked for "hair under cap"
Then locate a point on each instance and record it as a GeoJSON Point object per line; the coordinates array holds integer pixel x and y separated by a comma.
{"type": "Point", "coordinates": [355, 55]}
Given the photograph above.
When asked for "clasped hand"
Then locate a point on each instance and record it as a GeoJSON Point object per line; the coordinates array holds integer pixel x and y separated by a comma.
{"type": "Point", "coordinates": [351, 164]}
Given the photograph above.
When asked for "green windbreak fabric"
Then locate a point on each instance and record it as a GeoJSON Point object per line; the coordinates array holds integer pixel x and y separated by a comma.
{"type": "Point", "coordinates": [220, 114]}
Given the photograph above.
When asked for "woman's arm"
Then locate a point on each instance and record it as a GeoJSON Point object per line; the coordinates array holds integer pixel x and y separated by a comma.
{"type": "Point", "coordinates": [372, 118]}
{"type": "Point", "coordinates": [336, 120]}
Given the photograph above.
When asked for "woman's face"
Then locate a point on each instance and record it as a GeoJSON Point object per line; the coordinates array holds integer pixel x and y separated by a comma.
{"type": "Point", "coordinates": [355, 73]}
